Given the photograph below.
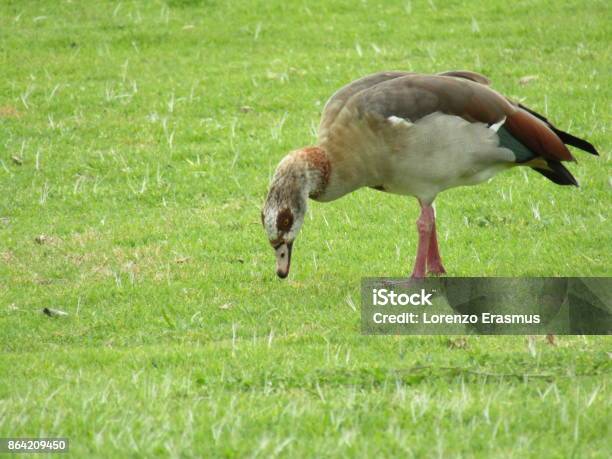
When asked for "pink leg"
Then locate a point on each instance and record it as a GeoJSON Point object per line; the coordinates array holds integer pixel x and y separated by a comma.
{"type": "Point", "coordinates": [425, 225]}
{"type": "Point", "coordinates": [434, 262]}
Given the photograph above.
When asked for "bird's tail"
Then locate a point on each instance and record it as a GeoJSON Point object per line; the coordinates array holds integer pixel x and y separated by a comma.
{"type": "Point", "coordinates": [552, 168]}
{"type": "Point", "coordinates": [565, 137]}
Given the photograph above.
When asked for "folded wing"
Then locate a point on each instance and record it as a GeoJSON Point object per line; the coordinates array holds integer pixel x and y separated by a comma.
{"type": "Point", "coordinates": [534, 141]}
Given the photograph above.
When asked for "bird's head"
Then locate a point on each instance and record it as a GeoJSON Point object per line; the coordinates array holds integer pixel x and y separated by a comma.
{"type": "Point", "coordinates": [282, 218]}
{"type": "Point", "coordinates": [296, 178]}
{"type": "Point", "coordinates": [282, 226]}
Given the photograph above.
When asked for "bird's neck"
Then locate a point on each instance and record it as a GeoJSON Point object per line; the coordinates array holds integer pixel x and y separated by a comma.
{"type": "Point", "coordinates": [312, 168]}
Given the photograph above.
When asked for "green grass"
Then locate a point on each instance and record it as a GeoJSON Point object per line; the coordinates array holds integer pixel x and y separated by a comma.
{"type": "Point", "coordinates": [139, 138]}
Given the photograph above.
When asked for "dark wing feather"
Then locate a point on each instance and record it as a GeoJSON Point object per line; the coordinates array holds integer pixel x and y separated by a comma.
{"type": "Point", "coordinates": [557, 173]}
{"type": "Point", "coordinates": [565, 137]}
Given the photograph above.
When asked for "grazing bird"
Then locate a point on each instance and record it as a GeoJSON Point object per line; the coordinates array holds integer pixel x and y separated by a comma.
{"type": "Point", "coordinates": [412, 134]}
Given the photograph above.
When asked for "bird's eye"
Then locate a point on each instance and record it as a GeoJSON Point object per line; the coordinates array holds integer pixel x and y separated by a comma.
{"type": "Point", "coordinates": [284, 220]}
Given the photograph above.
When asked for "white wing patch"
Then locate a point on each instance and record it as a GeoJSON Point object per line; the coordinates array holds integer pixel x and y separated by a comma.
{"type": "Point", "coordinates": [397, 121]}
{"type": "Point", "coordinates": [495, 127]}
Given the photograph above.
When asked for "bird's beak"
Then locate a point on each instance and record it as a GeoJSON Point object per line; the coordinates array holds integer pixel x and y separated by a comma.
{"type": "Point", "coordinates": [283, 259]}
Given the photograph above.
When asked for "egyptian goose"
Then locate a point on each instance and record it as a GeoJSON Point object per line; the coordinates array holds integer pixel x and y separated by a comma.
{"type": "Point", "coordinates": [417, 135]}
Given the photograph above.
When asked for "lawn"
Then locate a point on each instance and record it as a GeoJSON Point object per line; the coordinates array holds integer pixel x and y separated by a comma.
{"type": "Point", "coordinates": [137, 139]}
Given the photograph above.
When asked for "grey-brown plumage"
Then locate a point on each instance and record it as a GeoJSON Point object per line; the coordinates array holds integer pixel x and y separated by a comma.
{"type": "Point", "coordinates": [411, 96]}
{"type": "Point", "coordinates": [416, 134]}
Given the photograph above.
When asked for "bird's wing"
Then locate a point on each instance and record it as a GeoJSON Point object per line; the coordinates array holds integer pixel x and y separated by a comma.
{"type": "Point", "coordinates": [338, 100]}
{"type": "Point", "coordinates": [342, 96]}
{"type": "Point", "coordinates": [413, 97]}
{"type": "Point", "coordinates": [477, 77]}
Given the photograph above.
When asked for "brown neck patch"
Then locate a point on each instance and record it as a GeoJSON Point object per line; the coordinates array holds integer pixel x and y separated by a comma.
{"type": "Point", "coordinates": [317, 159]}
